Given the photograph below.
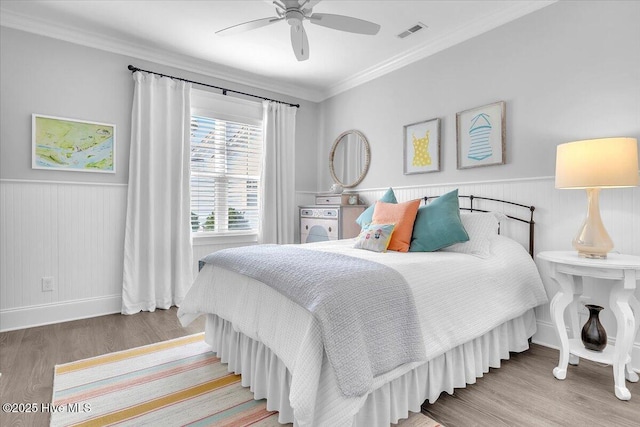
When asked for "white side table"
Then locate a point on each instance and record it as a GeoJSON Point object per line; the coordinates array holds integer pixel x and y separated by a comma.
{"type": "Point", "coordinates": [620, 273]}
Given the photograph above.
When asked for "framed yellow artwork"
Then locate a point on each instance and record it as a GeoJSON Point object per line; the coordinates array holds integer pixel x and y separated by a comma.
{"type": "Point", "coordinates": [422, 147]}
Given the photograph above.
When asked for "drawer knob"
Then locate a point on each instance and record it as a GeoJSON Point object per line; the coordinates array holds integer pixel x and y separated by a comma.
{"type": "Point", "coordinates": [329, 229]}
{"type": "Point", "coordinates": [306, 227]}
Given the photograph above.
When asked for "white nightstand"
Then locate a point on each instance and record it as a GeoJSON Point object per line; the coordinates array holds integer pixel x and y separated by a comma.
{"type": "Point", "coordinates": [620, 273]}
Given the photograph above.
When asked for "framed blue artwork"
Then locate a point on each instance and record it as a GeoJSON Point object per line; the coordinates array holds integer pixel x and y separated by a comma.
{"type": "Point", "coordinates": [481, 136]}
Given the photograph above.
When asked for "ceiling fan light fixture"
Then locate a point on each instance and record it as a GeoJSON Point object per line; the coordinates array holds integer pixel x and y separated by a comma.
{"type": "Point", "coordinates": [294, 18]}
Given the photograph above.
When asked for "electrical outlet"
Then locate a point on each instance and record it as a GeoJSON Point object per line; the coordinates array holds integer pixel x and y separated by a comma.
{"type": "Point", "coordinates": [47, 284]}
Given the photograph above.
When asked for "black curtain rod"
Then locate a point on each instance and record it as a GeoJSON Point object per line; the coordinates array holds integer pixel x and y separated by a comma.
{"type": "Point", "coordinates": [224, 90]}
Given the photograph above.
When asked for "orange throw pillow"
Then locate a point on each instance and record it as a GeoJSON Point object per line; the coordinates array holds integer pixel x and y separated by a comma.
{"type": "Point", "coordinates": [403, 215]}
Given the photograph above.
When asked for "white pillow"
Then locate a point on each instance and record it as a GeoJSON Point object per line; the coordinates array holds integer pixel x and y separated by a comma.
{"type": "Point", "coordinates": [481, 228]}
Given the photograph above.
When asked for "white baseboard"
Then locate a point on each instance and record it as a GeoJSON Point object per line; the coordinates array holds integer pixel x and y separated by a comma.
{"type": "Point", "coordinates": [46, 314]}
{"type": "Point", "coordinates": [548, 337]}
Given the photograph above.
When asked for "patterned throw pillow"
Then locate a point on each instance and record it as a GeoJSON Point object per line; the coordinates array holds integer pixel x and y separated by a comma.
{"type": "Point", "coordinates": [375, 237]}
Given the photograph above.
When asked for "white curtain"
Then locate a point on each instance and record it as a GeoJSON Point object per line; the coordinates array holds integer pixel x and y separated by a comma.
{"type": "Point", "coordinates": [277, 181]}
{"type": "Point", "coordinates": [158, 257]}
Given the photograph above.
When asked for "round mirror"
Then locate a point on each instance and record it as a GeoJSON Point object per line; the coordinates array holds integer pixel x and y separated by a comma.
{"type": "Point", "coordinates": [349, 158]}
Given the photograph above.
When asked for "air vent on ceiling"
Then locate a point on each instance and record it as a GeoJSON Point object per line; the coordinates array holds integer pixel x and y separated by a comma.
{"type": "Point", "coordinates": [419, 26]}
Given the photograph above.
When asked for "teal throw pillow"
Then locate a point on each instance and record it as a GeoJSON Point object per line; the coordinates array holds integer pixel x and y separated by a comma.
{"type": "Point", "coordinates": [438, 225]}
{"type": "Point", "coordinates": [367, 216]}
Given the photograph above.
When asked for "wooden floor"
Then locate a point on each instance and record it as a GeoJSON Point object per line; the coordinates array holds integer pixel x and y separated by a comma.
{"type": "Point", "coordinates": [521, 393]}
{"type": "Point", "coordinates": [28, 356]}
{"type": "Point", "coordinates": [524, 392]}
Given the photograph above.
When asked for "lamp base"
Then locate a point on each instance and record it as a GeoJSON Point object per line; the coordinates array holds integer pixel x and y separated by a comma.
{"type": "Point", "coordinates": [592, 240]}
{"type": "Point", "coordinates": [591, 255]}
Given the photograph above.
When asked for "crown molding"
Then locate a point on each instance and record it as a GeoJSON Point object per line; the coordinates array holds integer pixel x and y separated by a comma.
{"type": "Point", "coordinates": [517, 10]}
{"type": "Point", "coordinates": [11, 19]}
{"type": "Point", "coordinates": [116, 45]}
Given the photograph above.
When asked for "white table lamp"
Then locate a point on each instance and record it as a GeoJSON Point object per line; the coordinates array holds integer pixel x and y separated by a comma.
{"type": "Point", "coordinates": [594, 164]}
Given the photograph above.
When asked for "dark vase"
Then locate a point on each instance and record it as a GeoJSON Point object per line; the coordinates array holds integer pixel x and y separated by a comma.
{"type": "Point", "coordinates": [594, 337]}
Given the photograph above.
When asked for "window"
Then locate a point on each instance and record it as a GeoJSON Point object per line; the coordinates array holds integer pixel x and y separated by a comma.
{"type": "Point", "coordinates": [225, 173]}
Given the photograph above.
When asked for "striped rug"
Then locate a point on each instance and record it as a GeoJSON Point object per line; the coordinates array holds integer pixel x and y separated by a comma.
{"type": "Point", "coordinates": [172, 383]}
{"type": "Point", "coordinates": [177, 382]}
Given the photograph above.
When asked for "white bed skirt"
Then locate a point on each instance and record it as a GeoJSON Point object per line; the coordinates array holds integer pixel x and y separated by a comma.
{"type": "Point", "coordinates": [268, 377]}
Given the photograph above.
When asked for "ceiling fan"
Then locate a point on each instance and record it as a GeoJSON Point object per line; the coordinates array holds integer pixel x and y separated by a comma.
{"type": "Point", "coordinates": [297, 11]}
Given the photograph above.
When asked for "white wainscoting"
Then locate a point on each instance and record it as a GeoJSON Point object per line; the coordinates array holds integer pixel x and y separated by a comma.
{"type": "Point", "coordinates": [72, 232]}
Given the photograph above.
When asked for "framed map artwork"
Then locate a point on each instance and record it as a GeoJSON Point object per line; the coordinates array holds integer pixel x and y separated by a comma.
{"type": "Point", "coordinates": [72, 145]}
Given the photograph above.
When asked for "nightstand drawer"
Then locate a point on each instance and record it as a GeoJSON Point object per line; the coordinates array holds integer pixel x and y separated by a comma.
{"type": "Point", "coordinates": [332, 199]}
{"type": "Point", "coordinates": [319, 227]}
{"type": "Point", "coordinates": [319, 213]}
{"type": "Point", "coordinates": [328, 222]}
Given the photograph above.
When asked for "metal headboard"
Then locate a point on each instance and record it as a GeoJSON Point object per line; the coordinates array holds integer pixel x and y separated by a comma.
{"type": "Point", "coordinates": [471, 208]}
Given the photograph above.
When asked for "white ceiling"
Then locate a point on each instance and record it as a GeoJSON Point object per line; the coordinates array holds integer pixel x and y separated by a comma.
{"type": "Point", "coordinates": [182, 34]}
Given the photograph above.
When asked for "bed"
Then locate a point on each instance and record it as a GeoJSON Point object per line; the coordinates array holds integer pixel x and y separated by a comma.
{"type": "Point", "coordinates": [473, 300]}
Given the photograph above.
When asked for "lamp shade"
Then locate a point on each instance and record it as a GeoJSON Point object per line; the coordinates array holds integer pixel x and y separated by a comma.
{"type": "Point", "coordinates": [597, 163]}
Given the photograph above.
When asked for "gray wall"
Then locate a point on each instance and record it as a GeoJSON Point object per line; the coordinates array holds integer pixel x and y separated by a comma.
{"type": "Point", "coordinates": [52, 77]}
{"type": "Point", "coordinates": [569, 71]}
{"type": "Point", "coordinates": [566, 72]}
{"type": "Point", "coordinates": [70, 225]}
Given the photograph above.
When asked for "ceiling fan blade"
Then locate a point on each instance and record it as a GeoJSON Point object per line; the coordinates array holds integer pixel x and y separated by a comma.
{"type": "Point", "coordinates": [344, 23]}
{"type": "Point", "coordinates": [246, 26]}
{"type": "Point", "coordinates": [300, 42]}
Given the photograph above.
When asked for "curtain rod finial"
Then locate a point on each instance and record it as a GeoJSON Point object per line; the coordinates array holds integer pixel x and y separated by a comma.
{"type": "Point", "coordinates": [132, 68]}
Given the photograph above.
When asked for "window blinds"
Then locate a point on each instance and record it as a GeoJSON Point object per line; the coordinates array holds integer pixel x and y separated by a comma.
{"type": "Point", "coordinates": [225, 171]}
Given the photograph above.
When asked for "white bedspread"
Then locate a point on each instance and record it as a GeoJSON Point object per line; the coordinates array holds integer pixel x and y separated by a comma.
{"type": "Point", "coordinates": [459, 297]}
{"type": "Point", "coordinates": [358, 345]}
